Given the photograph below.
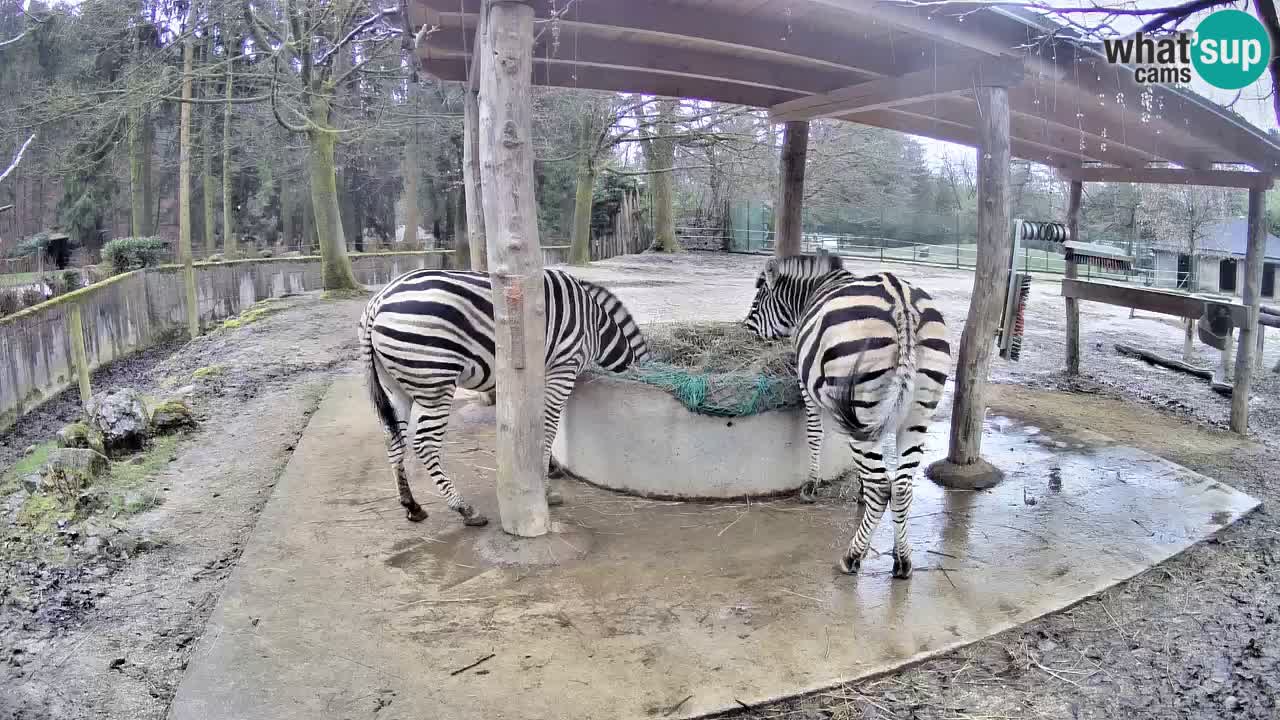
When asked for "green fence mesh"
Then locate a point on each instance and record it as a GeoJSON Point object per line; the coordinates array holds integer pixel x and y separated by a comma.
{"type": "Point", "coordinates": [719, 369]}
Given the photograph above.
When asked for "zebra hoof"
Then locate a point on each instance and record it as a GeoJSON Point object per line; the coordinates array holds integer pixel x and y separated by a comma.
{"type": "Point", "coordinates": [809, 492]}
{"type": "Point", "coordinates": [901, 567]}
{"type": "Point", "coordinates": [475, 519]}
{"type": "Point", "coordinates": [850, 564]}
{"type": "Point", "coordinates": [554, 498]}
{"type": "Point", "coordinates": [415, 513]}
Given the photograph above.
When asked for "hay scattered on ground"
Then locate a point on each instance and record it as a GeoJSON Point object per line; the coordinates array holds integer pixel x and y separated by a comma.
{"type": "Point", "coordinates": [719, 369]}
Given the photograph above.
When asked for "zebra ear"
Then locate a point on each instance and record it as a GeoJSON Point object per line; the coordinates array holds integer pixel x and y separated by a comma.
{"type": "Point", "coordinates": [771, 273]}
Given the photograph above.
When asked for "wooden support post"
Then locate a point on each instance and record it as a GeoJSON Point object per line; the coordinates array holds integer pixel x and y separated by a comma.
{"type": "Point", "coordinates": [787, 220]}
{"type": "Point", "coordinates": [471, 159]}
{"type": "Point", "coordinates": [1252, 298]}
{"type": "Point", "coordinates": [1073, 306]}
{"type": "Point", "coordinates": [515, 262]}
{"type": "Point", "coordinates": [964, 467]}
{"type": "Point", "coordinates": [1259, 362]}
{"type": "Point", "coordinates": [1227, 359]}
{"type": "Point", "coordinates": [80, 358]}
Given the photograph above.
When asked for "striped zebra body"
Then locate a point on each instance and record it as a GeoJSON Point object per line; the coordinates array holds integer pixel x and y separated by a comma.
{"type": "Point", "coordinates": [873, 352]}
{"type": "Point", "coordinates": [430, 332]}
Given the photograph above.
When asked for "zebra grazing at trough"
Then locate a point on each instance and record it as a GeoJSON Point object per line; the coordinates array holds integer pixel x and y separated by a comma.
{"type": "Point", "coordinates": [431, 331]}
{"type": "Point", "coordinates": [873, 352]}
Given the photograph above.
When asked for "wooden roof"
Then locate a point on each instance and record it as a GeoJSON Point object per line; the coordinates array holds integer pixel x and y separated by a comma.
{"type": "Point", "coordinates": [1070, 107]}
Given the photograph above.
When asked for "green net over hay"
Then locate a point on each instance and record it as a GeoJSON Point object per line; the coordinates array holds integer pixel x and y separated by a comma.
{"type": "Point", "coordinates": [719, 369]}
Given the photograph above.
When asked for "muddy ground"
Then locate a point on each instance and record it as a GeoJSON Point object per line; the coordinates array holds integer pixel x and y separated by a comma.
{"type": "Point", "coordinates": [1197, 637]}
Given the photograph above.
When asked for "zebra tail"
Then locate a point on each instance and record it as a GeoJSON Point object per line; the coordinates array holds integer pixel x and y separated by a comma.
{"type": "Point", "coordinates": [898, 392]}
{"type": "Point", "coordinates": [381, 402]}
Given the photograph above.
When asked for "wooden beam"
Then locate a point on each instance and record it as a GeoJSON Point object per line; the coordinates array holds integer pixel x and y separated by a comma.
{"type": "Point", "coordinates": [635, 53]}
{"type": "Point", "coordinates": [788, 221]}
{"type": "Point", "coordinates": [515, 262]}
{"type": "Point", "coordinates": [989, 281]}
{"type": "Point", "coordinates": [1252, 298]}
{"type": "Point", "coordinates": [901, 90]}
{"type": "Point", "coordinates": [1073, 307]}
{"type": "Point", "coordinates": [1170, 176]}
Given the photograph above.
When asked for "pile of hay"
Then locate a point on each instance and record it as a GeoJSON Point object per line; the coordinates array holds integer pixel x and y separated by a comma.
{"type": "Point", "coordinates": [719, 369]}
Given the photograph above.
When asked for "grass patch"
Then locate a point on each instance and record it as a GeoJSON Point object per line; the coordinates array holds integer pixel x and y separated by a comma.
{"type": "Point", "coordinates": [132, 472]}
{"type": "Point", "coordinates": [208, 371]}
{"type": "Point", "coordinates": [30, 464]}
{"type": "Point", "coordinates": [253, 314]}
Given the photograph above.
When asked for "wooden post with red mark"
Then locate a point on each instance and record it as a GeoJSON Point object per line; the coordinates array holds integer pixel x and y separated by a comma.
{"type": "Point", "coordinates": [505, 57]}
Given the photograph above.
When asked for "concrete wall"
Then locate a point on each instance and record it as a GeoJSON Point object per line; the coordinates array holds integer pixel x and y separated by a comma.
{"type": "Point", "coordinates": [638, 439]}
{"type": "Point", "coordinates": [134, 311]}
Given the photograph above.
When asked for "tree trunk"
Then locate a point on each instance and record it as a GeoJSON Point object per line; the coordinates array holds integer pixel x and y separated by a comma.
{"type": "Point", "coordinates": [787, 218]}
{"type": "Point", "coordinates": [184, 194]}
{"type": "Point", "coordinates": [140, 174]}
{"type": "Point", "coordinates": [662, 157]}
{"type": "Point", "coordinates": [461, 248]}
{"type": "Point", "coordinates": [989, 286]}
{"type": "Point", "coordinates": [412, 216]}
{"type": "Point", "coordinates": [335, 266]}
{"type": "Point", "coordinates": [515, 261]}
{"type": "Point", "coordinates": [208, 187]}
{"type": "Point", "coordinates": [230, 248]}
{"type": "Point", "coordinates": [471, 176]}
{"type": "Point", "coordinates": [580, 242]}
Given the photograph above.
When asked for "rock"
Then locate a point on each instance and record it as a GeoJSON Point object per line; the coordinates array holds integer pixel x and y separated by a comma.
{"type": "Point", "coordinates": [71, 470]}
{"type": "Point", "coordinates": [32, 483]}
{"type": "Point", "coordinates": [28, 450]}
{"type": "Point", "coordinates": [91, 500]}
{"type": "Point", "coordinates": [216, 257]}
{"type": "Point", "coordinates": [185, 391]}
{"type": "Point", "coordinates": [171, 416]}
{"type": "Point", "coordinates": [80, 435]}
{"type": "Point", "coordinates": [121, 417]}
{"type": "Point", "coordinates": [267, 253]}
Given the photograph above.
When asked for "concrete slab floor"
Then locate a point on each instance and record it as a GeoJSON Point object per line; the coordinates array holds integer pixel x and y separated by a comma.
{"type": "Point", "coordinates": [340, 608]}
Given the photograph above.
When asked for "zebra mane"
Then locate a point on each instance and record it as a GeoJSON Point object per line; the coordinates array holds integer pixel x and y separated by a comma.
{"type": "Point", "coordinates": [800, 267]}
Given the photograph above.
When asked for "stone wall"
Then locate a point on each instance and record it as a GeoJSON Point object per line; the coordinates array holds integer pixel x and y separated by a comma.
{"type": "Point", "coordinates": [134, 311]}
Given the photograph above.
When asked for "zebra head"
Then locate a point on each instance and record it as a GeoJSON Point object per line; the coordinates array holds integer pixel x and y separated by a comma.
{"type": "Point", "coordinates": [782, 291]}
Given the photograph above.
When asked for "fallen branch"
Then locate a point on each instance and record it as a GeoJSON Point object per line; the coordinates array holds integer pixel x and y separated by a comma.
{"type": "Point", "coordinates": [1164, 362]}
{"type": "Point", "coordinates": [676, 707]}
{"type": "Point", "coordinates": [484, 659]}
{"type": "Point", "coordinates": [18, 158]}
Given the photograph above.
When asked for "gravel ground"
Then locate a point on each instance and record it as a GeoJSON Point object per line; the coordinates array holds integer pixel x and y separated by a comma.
{"type": "Point", "coordinates": [1197, 637]}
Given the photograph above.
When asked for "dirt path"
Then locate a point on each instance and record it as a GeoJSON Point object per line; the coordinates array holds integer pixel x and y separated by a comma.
{"type": "Point", "coordinates": [108, 636]}
{"type": "Point", "coordinates": [1197, 637]}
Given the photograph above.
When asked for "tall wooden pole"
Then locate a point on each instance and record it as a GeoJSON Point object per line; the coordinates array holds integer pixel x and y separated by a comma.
{"type": "Point", "coordinates": [515, 262]}
{"type": "Point", "coordinates": [964, 466]}
{"type": "Point", "coordinates": [1252, 299]}
{"type": "Point", "coordinates": [1073, 306]}
{"type": "Point", "coordinates": [786, 221]}
{"type": "Point", "coordinates": [471, 167]}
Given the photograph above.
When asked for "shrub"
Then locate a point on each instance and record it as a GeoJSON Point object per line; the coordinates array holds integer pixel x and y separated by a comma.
{"type": "Point", "coordinates": [12, 301]}
{"type": "Point", "coordinates": [71, 280]}
{"type": "Point", "coordinates": [125, 254]}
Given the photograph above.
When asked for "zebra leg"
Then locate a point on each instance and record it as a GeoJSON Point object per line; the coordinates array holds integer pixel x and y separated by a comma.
{"type": "Point", "coordinates": [428, 435]}
{"type": "Point", "coordinates": [911, 439]}
{"type": "Point", "coordinates": [394, 408]}
{"type": "Point", "coordinates": [559, 385]}
{"type": "Point", "coordinates": [875, 495]}
{"type": "Point", "coordinates": [813, 438]}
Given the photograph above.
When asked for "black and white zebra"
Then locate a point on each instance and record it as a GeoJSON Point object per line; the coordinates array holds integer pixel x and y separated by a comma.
{"type": "Point", "coordinates": [873, 352]}
{"type": "Point", "coordinates": [431, 331]}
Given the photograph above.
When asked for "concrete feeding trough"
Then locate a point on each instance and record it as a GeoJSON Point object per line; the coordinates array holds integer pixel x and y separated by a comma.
{"type": "Point", "coordinates": [636, 438]}
{"type": "Point", "coordinates": [632, 433]}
